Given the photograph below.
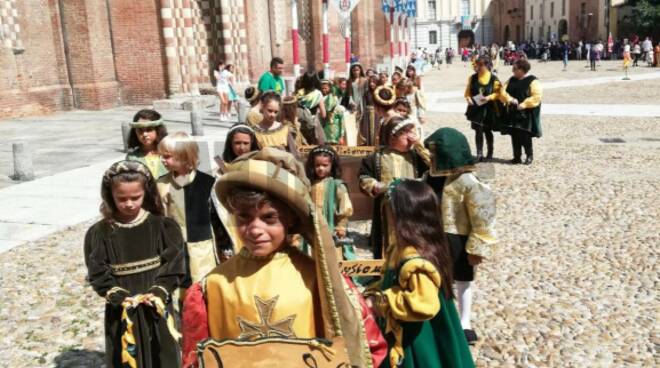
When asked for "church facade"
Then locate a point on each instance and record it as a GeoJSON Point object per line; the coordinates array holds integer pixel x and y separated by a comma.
{"type": "Point", "coordinates": [95, 54]}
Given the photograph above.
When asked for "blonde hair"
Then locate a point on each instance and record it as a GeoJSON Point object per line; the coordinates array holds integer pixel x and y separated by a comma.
{"type": "Point", "coordinates": [182, 147]}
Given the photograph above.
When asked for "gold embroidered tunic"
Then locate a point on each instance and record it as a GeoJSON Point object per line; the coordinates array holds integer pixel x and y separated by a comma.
{"type": "Point", "coordinates": [255, 297]}
{"type": "Point", "coordinates": [468, 208]}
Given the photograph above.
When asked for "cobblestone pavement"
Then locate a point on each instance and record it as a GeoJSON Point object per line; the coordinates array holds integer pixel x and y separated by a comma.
{"type": "Point", "coordinates": [574, 283]}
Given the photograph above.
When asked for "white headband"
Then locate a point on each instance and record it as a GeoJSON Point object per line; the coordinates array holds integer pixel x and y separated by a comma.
{"type": "Point", "coordinates": [401, 125]}
{"type": "Point", "coordinates": [245, 126]}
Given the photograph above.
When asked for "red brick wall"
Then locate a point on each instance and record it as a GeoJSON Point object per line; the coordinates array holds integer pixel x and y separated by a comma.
{"type": "Point", "coordinates": [138, 51]}
{"type": "Point", "coordinates": [35, 81]}
{"type": "Point", "coordinates": [91, 64]}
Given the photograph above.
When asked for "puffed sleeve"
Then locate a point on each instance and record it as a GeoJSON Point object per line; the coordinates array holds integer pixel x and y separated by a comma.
{"type": "Point", "coordinates": [194, 324]}
{"type": "Point", "coordinates": [99, 273]}
{"type": "Point", "coordinates": [497, 90]}
{"type": "Point", "coordinates": [468, 90]}
{"type": "Point", "coordinates": [367, 175]}
{"type": "Point", "coordinates": [172, 269]}
{"type": "Point", "coordinates": [344, 208]}
{"type": "Point", "coordinates": [504, 97]}
{"type": "Point", "coordinates": [416, 297]}
{"type": "Point", "coordinates": [535, 94]}
{"type": "Point", "coordinates": [481, 206]}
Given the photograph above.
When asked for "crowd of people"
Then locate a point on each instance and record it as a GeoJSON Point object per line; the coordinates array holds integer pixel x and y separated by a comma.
{"type": "Point", "coordinates": [250, 254]}
{"type": "Point", "coordinates": [593, 51]}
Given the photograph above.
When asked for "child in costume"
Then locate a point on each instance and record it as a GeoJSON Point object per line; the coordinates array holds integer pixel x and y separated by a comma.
{"type": "Point", "coordinates": [414, 298]}
{"type": "Point", "coordinates": [253, 97]}
{"type": "Point", "coordinates": [403, 157]}
{"type": "Point", "coordinates": [340, 90]}
{"type": "Point", "coordinates": [186, 196]}
{"type": "Point", "coordinates": [270, 132]}
{"type": "Point", "coordinates": [368, 116]}
{"type": "Point", "coordinates": [312, 108]}
{"type": "Point", "coordinates": [134, 258]}
{"type": "Point", "coordinates": [482, 93]}
{"type": "Point", "coordinates": [289, 115]}
{"type": "Point", "coordinates": [147, 130]}
{"type": "Point", "coordinates": [333, 123]}
{"type": "Point", "coordinates": [330, 194]}
{"type": "Point", "coordinates": [271, 289]}
{"type": "Point", "coordinates": [416, 99]}
{"type": "Point", "coordinates": [468, 213]}
{"type": "Point", "coordinates": [240, 140]}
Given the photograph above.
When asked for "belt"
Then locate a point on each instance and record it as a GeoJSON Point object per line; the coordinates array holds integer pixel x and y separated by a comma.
{"type": "Point", "coordinates": [132, 268]}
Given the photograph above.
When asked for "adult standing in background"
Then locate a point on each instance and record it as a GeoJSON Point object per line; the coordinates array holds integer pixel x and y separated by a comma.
{"type": "Point", "coordinates": [523, 94]}
{"type": "Point", "coordinates": [272, 79]}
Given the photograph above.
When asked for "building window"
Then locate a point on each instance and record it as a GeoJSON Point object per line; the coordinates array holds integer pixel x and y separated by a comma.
{"type": "Point", "coordinates": [583, 8]}
{"type": "Point", "coordinates": [563, 7]}
{"type": "Point", "coordinates": [552, 10]}
{"type": "Point", "coordinates": [465, 7]}
{"type": "Point", "coordinates": [531, 33]}
{"type": "Point", "coordinates": [549, 36]}
{"type": "Point", "coordinates": [432, 15]}
{"type": "Point", "coordinates": [433, 37]}
{"type": "Point", "coordinates": [540, 33]}
{"type": "Point", "coordinates": [531, 12]}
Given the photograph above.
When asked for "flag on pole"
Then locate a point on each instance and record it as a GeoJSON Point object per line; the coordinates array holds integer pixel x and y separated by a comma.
{"type": "Point", "coordinates": [386, 6]}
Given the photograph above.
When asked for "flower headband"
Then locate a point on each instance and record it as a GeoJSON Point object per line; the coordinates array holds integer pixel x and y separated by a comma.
{"type": "Point", "coordinates": [126, 166]}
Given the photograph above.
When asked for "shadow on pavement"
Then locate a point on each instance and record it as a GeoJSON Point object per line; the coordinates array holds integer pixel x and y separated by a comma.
{"type": "Point", "coordinates": [80, 359]}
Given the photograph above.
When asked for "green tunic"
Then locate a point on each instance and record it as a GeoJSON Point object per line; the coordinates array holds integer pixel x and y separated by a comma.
{"type": "Point", "coordinates": [155, 166]}
{"type": "Point", "coordinates": [333, 124]}
{"type": "Point", "coordinates": [528, 120]}
{"type": "Point", "coordinates": [437, 343]}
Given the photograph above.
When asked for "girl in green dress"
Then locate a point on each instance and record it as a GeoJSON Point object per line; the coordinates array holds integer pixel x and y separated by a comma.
{"type": "Point", "coordinates": [147, 130]}
{"type": "Point", "coordinates": [414, 297]}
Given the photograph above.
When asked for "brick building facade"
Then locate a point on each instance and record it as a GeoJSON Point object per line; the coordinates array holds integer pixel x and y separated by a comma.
{"type": "Point", "coordinates": [95, 54]}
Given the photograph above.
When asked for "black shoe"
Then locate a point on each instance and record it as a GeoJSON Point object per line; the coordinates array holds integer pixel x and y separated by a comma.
{"type": "Point", "coordinates": [470, 336]}
{"type": "Point", "coordinates": [528, 160]}
{"type": "Point", "coordinates": [480, 157]}
{"type": "Point", "coordinates": [515, 161]}
{"type": "Point", "coordinates": [489, 157]}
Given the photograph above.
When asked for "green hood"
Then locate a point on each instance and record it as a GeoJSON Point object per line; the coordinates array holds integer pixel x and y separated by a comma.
{"type": "Point", "coordinates": [450, 152]}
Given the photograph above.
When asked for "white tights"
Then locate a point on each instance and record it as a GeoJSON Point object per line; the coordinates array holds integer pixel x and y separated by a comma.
{"type": "Point", "coordinates": [464, 297]}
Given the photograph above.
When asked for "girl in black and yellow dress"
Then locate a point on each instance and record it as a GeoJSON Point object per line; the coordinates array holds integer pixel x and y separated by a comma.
{"type": "Point", "coordinates": [270, 132]}
{"type": "Point", "coordinates": [134, 258]}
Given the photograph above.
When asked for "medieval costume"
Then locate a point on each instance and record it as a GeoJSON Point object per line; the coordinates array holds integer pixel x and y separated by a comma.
{"type": "Point", "coordinates": [187, 200]}
{"type": "Point", "coordinates": [152, 160]}
{"type": "Point", "coordinates": [286, 294]}
{"type": "Point", "coordinates": [523, 122]}
{"type": "Point", "coordinates": [308, 111]}
{"type": "Point", "coordinates": [467, 208]}
{"type": "Point", "coordinates": [483, 91]}
{"type": "Point", "coordinates": [420, 320]}
{"type": "Point", "coordinates": [133, 260]}
{"type": "Point", "coordinates": [378, 109]}
{"type": "Point", "coordinates": [381, 168]}
{"type": "Point", "coordinates": [280, 136]}
{"type": "Point", "coordinates": [333, 124]}
{"type": "Point", "coordinates": [331, 198]}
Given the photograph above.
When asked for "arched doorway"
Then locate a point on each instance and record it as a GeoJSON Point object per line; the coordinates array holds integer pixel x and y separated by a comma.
{"type": "Point", "coordinates": [465, 38]}
{"type": "Point", "coordinates": [507, 33]}
{"type": "Point", "coordinates": [562, 29]}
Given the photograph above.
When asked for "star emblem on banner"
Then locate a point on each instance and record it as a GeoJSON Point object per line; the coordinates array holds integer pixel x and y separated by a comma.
{"type": "Point", "coordinates": [265, 328]}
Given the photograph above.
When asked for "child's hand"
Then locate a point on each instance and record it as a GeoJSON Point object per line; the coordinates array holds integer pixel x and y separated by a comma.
{"type": "Point", "coordinates": [341, 233]}
{"type": "Point", "coordinates": [474, 260]}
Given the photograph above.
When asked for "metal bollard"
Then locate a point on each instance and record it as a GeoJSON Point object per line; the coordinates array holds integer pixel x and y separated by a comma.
{"type": "Point", "coordinates": [196, 121]}
{"type": "Point", "coordinates": [126, 134]}
{"type": "Point", "coordinates": [23, 170]}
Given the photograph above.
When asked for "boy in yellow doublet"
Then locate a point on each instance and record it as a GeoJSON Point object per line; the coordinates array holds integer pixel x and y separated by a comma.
{"type": "Point", "coordinates": [271, 289]}
{"type": "Point", "coordinates": [250, 287]}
